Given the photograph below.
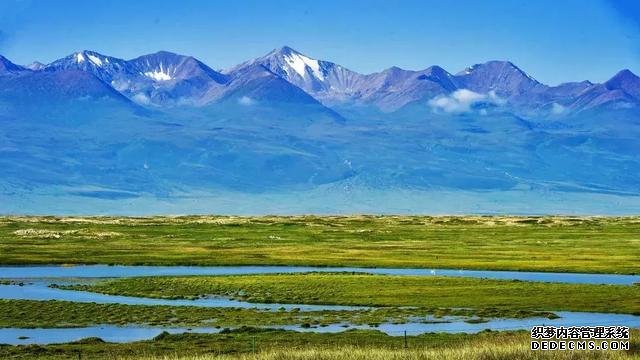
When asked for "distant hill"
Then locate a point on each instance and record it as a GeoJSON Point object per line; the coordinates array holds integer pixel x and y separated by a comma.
{"type": "Point", "coordinates": [165, 132]}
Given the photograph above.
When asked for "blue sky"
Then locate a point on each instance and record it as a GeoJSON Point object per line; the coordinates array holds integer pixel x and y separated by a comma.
{"type": "Point", "coordinates": [553, 40]}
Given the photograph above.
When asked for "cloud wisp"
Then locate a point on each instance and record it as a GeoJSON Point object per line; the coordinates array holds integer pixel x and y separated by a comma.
{"type": "Point", "coordinates": [557, 109]}
{"type": "Point", "coordinates": [246, 101]}
{"type": "Point", "coordinates": [462, 100]}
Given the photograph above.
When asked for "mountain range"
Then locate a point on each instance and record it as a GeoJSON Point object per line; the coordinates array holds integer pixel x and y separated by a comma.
{"type": "Point", "coordinates": [91, 131]}
{"type": "Point", "coordinates": [165, 79]}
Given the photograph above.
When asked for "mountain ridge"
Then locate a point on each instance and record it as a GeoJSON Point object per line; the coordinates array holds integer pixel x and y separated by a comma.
{"type": "Point", "coordinates": [167, 79]}
{"type": "Point", "coordinates": [394, 88]}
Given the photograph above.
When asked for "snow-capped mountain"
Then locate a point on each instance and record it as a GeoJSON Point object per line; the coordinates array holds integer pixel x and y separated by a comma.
{"type": "Point", "coordinates": [76, 76]}
{"type": "Point", "coordinates": [162, 78]}
{"type": "Point", "coordinates": [323, 80]}
{"type": "Point", "coordinates": [174, 79]}
{"type": "Point", "coordinates": [167, 66]}
{"type": "Point", "coordinates": [166, 79]}
{"type": "Point", "coordinates": [395, 88]}
{"type": "Point", "coordinates": [256, 83]}
{"type": "Point", "coordinates": [106, 68]}
{"type": "Point", "coordinates": [334, 84]}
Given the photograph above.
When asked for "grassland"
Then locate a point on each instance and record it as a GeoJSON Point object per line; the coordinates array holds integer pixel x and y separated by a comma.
{"type": "Point", "coordinates": [382, 290]}
{"type": "Point", "coordinates": [470, 352]}
{"type": "Point", "coordinates": [489, 351]}
{"type": "Point", "coordinates": [56, 314]}
{"type": "Point", "coordinates": [563, 244]}
{"type": "Point", "coordinates": [284, 345]}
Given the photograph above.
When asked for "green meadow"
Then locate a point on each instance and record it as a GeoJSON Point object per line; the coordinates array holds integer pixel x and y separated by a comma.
{"type": "Point", "coordinates": [60, 314]}
{"type": "Point", "coordinates": [561, 244]}
{"type": "Point", "coordinates": [527, 243]}
{"type": "Point", "coordinates": [383, 290]}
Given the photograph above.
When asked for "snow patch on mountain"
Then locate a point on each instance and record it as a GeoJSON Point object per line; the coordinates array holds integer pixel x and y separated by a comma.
{"type": "Point", "coordinates": [301, 63]}
{"type": "Point", "coordinates": [94, 59]}
{"type": "Point", "coordinates": [159, 75]}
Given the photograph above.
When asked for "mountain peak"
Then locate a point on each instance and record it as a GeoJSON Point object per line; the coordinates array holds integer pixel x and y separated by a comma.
{"type": "Point", "coordinates": [626, 81]}
{"type": "Point", "coordinates": [280, 52]}
{"type": "Point", "coordinates": [437, 71]}
{"type": "Point", "coordinates": [165, 65]}
{"type": "Point", "coordinates": [163, 54]}
{"type": "Point", "coordinates": [438, 75]}
{"type": "Point", "coordinates": [36, 66]}
{"type": "Point", "coordinates": [90, 53]}
{"type": "Point", "coordinates": [494, 66]}
{"type": "Point", "coordinates": [503, 77]}
{"type": "Point", "coordinates": [394, 69]}
{"type": "Point", "coordinates": [82, 60]}
{"type": "Point", "coordinates": [624, 74]}
{"type": "Point", "coordinates": [166, 53]}
{"type": "Point", "coordinates": [286, 50]}
{"type": "Point", "coordinates": [289, 63]}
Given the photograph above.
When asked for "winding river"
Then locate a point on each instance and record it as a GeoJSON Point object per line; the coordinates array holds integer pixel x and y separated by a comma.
{"type": "Point", "coordinates": [116, 271]}
{"type": "Point", "coordinates": [38, 278]}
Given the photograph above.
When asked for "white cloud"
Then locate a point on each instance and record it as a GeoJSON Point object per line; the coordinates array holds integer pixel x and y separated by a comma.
{"type": "Point", "coordinates": [246, 101]}
{"type": "Point", "coordinates": [141, 98]}
{"type": "Point", "coordinates": [121, 85]}
{"type": "Point", "coordinates": [557, 109]}
{"type": "Point", "coordinates": [462, 100]}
